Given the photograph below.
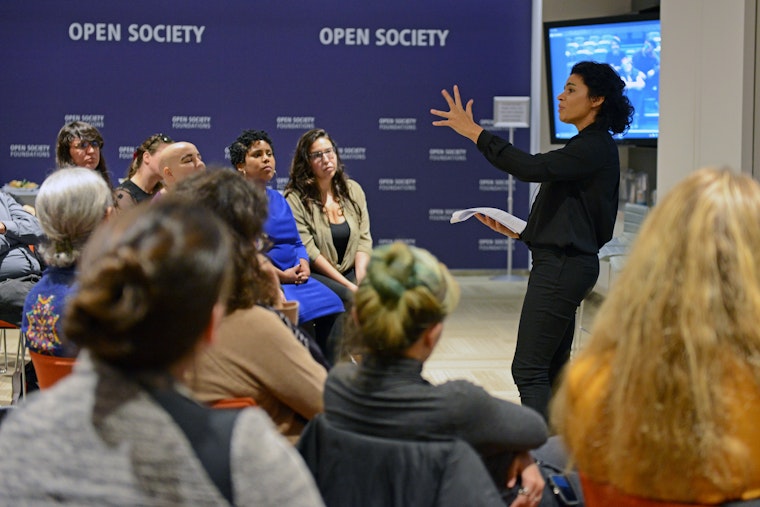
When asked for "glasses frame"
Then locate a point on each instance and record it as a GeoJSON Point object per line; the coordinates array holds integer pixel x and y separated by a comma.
{"type": "Point", "coordinates": [83, 145]}
{"type": "Point", "coordinates": [319, 155]}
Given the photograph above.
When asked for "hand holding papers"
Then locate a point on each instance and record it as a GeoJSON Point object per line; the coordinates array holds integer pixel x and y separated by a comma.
{"type": "Point", "coordinates": [496, 219]}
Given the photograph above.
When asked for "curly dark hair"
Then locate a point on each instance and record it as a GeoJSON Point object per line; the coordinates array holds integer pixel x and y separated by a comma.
{"type": "Point", "coordinates": [302, 180]}
{"type": "Point", "coordinates": [239, 148]}
{"type": "Point", "coordinates": [243, 207]}
{"type": "Point", "coordinates": [616, 113]}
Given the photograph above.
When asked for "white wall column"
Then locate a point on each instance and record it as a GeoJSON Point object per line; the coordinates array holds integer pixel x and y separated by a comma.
{"type": "Point", "coordinates": [707, 87]}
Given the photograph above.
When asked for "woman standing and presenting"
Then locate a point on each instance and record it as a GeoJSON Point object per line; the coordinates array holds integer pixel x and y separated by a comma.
{"type": "Point", "coordinates": [331, 212]}
{"type": "Point", "coordinates": [572, 217]}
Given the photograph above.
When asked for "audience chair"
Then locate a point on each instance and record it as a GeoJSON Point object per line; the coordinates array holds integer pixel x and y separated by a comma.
{"type": "Point", "coordinates": [242, 402]}
{"type": "Point", "coordinates": [4, 327]}
{"type": "Point", "coordinates": [50, 369]}
{"type": "Point", "coordinates": [354, 469]}
{"type": "Point", "coordinates": [19, 372]}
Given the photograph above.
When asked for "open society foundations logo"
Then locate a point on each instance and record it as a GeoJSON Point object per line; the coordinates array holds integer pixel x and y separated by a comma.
{"type": "Point", "coordinates": [493, 245]}
{"type": "Point", "coordinates": [96, 120]}
{"type": "Point", "coordinates": [397, 123]}
{"type": "Point", "coordinates": [447, 154]}
{"type": "Point", "coordinates": [295, 122]}
{"type": "Point", "coordinates": [406, 241]}
{"type": "Point", "coordinates": [441, 214]}
{"type": "Point", "coordinates": [493, 185]}
{"type": "Point", "coordinates": [397, 184]}
{"type": "Point", "coordinates": [191, 122]}
{"type": "Point", "coordinates": [127, 152]}
{"type": "Point", "coordinates": [30, 151]}
{"type": "Point", "coordinates": [353, 152]}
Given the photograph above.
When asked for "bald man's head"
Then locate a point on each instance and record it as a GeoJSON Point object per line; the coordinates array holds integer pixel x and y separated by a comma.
{"type": "Point", "coordinates": [178, 161]}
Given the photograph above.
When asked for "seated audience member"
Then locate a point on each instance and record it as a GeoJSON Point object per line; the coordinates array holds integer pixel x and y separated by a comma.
{"type": "Point", "coordinates": [255, 355]}
{"type": "Point", "coordinates": [144, 174]}
{"type": "Point", "coordinates": [178, 161]}
{"type": "Point", "coordinates": [79, 144]}
{"type": "Point", "coordinates": [121, 429]}
{"type": "Point", "coordinates": [663, 402]}
{"type": "Point", "coordinates": [252, 154]}
{"type": "Point", "coordinates": [70, 205]}
{"type": "Point", "coordinates": [331, 212]}
{"type": "Point", "coordinates": [20, 268]}
{"type": "Point", "coordinates": [399, 310]}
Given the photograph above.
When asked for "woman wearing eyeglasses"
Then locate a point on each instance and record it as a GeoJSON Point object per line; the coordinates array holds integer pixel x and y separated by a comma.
{"type": "Point", "coordinates": [144, 174]}
{"type": "Point", "coordinates": [331, 212]}
{"type": "Point", "coordinates": [79, 144]}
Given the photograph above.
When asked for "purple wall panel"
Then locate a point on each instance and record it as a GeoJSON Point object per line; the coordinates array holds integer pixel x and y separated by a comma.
{"type": "Point", "coordinates": [281, 66]}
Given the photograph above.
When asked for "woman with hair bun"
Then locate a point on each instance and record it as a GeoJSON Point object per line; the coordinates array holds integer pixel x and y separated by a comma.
{"type": "Point", "coordinates": [399, 311]}
{"type": "Point", "coordinates": [121, 429]}
{"type": "Point", "coordinates": [71, 203]}
{"type": "Point", "coordinates": [571, 219]}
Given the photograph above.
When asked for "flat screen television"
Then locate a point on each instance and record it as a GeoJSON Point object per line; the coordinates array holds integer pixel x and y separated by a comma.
{"type": "Point", "coordinates": [631, 44]}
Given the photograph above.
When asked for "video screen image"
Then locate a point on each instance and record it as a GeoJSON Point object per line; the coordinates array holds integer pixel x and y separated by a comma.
{"type": "Point", "coordinates": [632, 46]}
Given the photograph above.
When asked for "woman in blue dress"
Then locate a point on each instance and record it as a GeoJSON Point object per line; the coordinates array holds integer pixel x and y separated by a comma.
{"type": "Point", "coordinates": [319, 308]}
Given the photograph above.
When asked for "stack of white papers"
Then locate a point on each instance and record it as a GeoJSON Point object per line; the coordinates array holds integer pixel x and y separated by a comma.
{"type": "Point", "coordinates": [508, 220]}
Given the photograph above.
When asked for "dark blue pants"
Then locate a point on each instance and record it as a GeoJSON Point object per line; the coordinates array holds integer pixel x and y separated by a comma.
{"type": "Point", "coordinates": [559, 280]}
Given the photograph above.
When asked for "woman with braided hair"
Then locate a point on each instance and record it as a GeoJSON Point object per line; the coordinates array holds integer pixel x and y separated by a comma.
{"type": "Point", "coordinates": [144, 174]}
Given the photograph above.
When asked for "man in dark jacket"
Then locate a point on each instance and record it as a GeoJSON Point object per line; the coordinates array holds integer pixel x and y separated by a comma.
{"type": "Point", "coordinates": [20, 268]}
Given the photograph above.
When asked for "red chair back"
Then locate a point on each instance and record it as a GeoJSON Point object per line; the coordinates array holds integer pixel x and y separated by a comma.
{"type": "Point", "coordinates": [7, 325]}
{"type": "Point", "coordinates": [242, 402]}
{"type": "Point", "coordinates": [50, 369]}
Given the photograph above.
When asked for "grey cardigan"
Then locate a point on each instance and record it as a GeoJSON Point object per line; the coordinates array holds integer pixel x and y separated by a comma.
{"type": "Point", "coordinates": [97, 438]}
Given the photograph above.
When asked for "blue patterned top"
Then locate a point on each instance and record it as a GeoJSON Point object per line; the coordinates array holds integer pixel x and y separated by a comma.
{"type": "Point", "coordinates": [42, 318]}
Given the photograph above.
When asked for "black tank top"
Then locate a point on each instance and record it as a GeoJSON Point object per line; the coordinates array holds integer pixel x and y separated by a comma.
{"type": "Point", "coordinates": [340, 235]}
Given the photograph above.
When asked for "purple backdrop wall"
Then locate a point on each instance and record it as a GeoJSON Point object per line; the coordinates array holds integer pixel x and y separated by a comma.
{"type": "Point", "coordinates": [203, 71]}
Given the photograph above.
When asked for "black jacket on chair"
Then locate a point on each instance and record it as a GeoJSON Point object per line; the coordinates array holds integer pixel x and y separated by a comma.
{"type": "Point", "coordinates": [352, 469]}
